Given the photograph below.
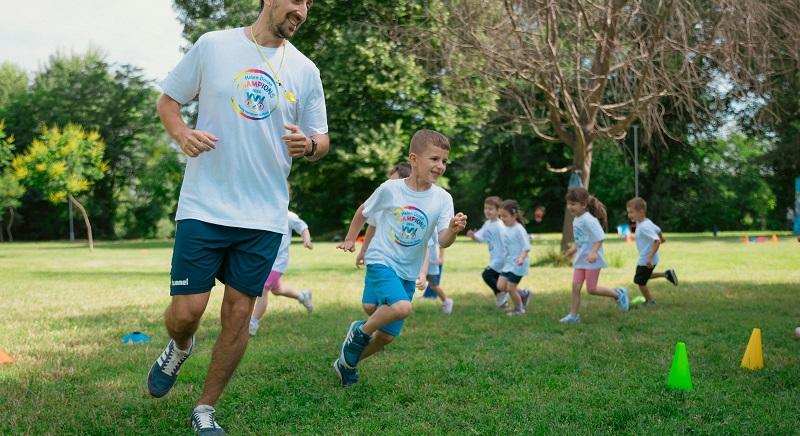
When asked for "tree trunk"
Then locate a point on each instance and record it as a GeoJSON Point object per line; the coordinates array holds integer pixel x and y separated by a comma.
{"type": "Point", "coordinates": [85, 220]}
{"type": "Point", "coordinates": [10, 223]}
{"type": "Point", "coordinates": [584, 164]}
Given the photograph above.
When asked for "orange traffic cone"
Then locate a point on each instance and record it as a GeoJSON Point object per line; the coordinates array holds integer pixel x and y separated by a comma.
{"type": "Point", "coordinates": [774, 237]}
{"type": "Point", "coordinates": [745, 239]}
{"type": "Point", "coordinates": [5, 358]}
{"type": "Point", "coordinates": [629, 238]}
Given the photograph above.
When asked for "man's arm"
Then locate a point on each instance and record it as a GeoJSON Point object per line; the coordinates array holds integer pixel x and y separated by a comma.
{"type": "Point", "coordinates": [192, 142]}
{"type": "Point", "coordinates": [299, 145]}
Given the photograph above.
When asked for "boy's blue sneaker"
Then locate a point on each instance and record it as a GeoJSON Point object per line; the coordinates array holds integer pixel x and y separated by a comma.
{"type": "Point", "coordinates": [353, 345]}
{"type": "Point", "coordinates": [672, 276]}
{"type": "Point", "coordinates": [570, 319]}
{"type": "Point", "coordinates": [348, 376]}
{"type": "Point", "coordinates": [204, 421]}
{"type": "Point", "coordinates": [164, 371]}
{"type": "Point", "coordinates": [622, 300]}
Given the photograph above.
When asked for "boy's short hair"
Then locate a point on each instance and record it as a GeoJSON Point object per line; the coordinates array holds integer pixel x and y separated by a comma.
{"type": "Point", "coordinates": [493, 201]}
{"type": "Point", "coordinates": [638, 203]}
{"type": "Point", "coordinates": [428, 138]}
{"type": "Point", "coordinates": [403, 169]}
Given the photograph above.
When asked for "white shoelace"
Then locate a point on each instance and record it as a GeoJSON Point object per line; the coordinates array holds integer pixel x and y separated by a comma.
{"type": "Point", "coordinates": [205, 419]}
{"type": "Point", "coordinates": [172, 359]}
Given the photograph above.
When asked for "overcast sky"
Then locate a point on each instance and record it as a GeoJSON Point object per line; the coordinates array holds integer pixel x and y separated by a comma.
{"type": "Point", "coordinates": [144, 33]}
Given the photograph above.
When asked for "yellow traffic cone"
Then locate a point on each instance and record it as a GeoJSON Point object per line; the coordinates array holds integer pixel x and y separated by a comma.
{"type": "Point", "coordinates": [774, 237]}
{"type": "Point", "coordinates": [753, 355]}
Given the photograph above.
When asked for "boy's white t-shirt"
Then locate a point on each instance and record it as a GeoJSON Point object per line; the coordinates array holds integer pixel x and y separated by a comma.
{"type": "Point", "coordinates": [646, 234]}
{"type": "Point", "coordinates": [491, 232]}
{"type": "Point", "coordinates": [298, 226]}
{"type": "Point", "coordinates": [587, 231]}
{"type": "Point", "coordinates": [242, 183]}
{"type": "Point", "coordinates": [515, 241]}
{"type": "Point", "coordinates": [433, 247]}
{"type": "Point", "coordinates": [404, 222]}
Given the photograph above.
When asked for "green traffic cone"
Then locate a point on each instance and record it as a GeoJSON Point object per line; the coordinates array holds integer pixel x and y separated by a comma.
{"type": "Point", "coordinates": [679, 376]}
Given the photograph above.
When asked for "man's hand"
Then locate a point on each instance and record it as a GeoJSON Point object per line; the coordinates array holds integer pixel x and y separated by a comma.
{"type": "Point", "coordinates": [296, 141]}
{"type": "Point", "coordinates": [347, 245]}
{"type": "Point", "coordinates": [458, 223]}
{"type": "Point", "coordinates": [193, 142]}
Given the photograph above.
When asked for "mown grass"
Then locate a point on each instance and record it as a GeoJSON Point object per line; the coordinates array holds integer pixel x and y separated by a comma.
{"type": "Point", "coordinates": [474, 372]}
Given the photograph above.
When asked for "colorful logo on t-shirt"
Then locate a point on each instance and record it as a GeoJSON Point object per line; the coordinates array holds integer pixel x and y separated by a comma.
{"type": "Point", "coordinates": [256, 94]}
{"type": "Point", "coordinates": [411, 225]}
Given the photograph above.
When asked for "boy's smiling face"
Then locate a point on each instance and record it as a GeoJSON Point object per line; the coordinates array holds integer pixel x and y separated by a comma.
{"type": "Point", "coordinates": [490, 212]}
{"type": "Point", "coordinates": [430, 164]}
{"type": "Point", "coordinates": [635, 215]}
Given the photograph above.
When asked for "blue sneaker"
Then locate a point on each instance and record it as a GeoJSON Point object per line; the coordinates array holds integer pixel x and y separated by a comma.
{"type": "Point", "coordinates": [353, 345]}
{"type": "Point", "coordinates": [164, 371]}
{"type": "Point", "coordinates": [570, 319]}
{"type": "Point", "coordinates": [525, 296]}
{"type": "Point", "coordinates": [622, 300]}
{"type": "Point", "coordinates": [204, 421]}
{"type": "Point", "coordinates": [348, 376]}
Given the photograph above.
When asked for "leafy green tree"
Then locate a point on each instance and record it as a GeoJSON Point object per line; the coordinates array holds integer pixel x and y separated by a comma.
{"type": "Point", "coordinates": [13, 82]}
{"type": "Point", "coordinates": [63, 164]}
{"type": "Point", "coordinates": [10, 189]}
{"type": "Point", "coordinates": [115, 100]}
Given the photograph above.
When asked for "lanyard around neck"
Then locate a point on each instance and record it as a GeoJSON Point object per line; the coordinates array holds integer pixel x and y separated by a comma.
{"type": "Point", "coordinates": [289, 94]}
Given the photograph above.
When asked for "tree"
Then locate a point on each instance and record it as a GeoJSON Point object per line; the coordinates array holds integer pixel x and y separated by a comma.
{"type": "Point", "coordinates": [13, 82]}
{"type": "Point", "coordinates": [62, 164]}
{"type": "Point", "coordinates": [10, 189]}
{"type": "Point", "coordinates": [583, 71]}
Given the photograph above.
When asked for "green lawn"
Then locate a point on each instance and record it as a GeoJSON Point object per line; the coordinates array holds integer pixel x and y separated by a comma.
{"type": "Point", "coordinates": [474, 372]}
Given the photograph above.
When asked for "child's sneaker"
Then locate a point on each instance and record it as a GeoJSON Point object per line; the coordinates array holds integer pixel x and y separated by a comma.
{"type": "Point", "coordinates": [447, 306]}
{"type": "Point", "coordinates": [254, 324]}
{"type": "Point", "coordinates": [672, 276]}
{"type": "Point", "coordinates": [649, 303]}
{"type": "Point", "coordinates": [516, 312]}
{"type": "Point", "coordinates": [353, 345]}
{"type": "Point", "coordinates": [204, 421]}
{"type": "Point", "coordinates": [164, 372]}
{"type": "Point", "coordinates": [305, 299]}
{"type": "Point", "coordinates": [622, 299]}
{"type": "Point", "coordinates": [570, 319]}
{"type": "Point", "coordinates": [501, 299]}
{"type": "Point", "coordinates": [525, 295]}
{"type": "Point", "coordinates": [347, 376]}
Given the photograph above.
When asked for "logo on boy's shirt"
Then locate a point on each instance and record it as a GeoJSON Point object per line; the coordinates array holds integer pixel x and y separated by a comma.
{"type": "Point", "coordinates": [256, 94]}
{"type": "Point", "coordinates": [410, 228]}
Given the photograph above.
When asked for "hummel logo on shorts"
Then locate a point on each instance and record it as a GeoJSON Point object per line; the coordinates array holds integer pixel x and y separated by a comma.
{"type": "Point", "coordinates": [184, 282]}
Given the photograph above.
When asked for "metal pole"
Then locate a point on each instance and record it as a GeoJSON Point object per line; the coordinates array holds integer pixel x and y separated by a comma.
{"type": "Point", "coordinates": [71, 225]}
{"type": "Point", "coordinates": [636, 157]}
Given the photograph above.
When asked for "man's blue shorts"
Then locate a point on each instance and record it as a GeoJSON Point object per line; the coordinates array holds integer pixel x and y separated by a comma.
{"type": "Point", "coordinates": [241, 258]}
{"type": "Point", "coordinates": [383, 286]}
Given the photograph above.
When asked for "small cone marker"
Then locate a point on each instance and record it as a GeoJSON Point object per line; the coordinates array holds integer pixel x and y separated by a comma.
{"type": "Point", "coordinates": [753, 355]}
{"type": "Point", "coordinates": [774, 237]}
{"type": "Point", "coordinates": [5, 358]}
{"type": "Point", "coordinates": [679, 376]}
{"type": "Point", "coordinates": [745, 239]}
{"type": "Point", "coordinates": [629, 238]}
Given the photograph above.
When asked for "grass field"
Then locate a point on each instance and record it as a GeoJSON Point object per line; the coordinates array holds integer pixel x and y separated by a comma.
{"type": "Point", "coordinates": [474, 372]}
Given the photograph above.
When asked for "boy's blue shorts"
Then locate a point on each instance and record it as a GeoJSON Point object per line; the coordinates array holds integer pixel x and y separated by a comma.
{"type": "Point", "coordinates": [241, 258]}
{"type": "Point", "coordinates": [382, 286]}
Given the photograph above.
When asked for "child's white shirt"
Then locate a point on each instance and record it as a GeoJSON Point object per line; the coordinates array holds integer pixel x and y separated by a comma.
{"type": "Point", "coordinates": [646, 234]}
{"type": "Point", "coordinates": [282, 260]}
{"type": "Point", "coordinates": [491, 232]}
{"type": "Point", "coordinates": [515, 241]}
{"type": "Point", "coordinates": [433, 247]}
{"type": "Point", "coordinates": [404, 222]}
{"type": "Point", "coordinates": [587, 231]}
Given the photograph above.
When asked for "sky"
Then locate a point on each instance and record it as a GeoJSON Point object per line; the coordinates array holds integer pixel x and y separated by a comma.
{"type": "Point", "coordinates": [143, 33]}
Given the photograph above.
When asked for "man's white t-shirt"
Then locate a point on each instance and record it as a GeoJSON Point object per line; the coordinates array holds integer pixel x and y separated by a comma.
{"type": "Point", "coordinates": [242, 183]}
{"type": "Point", "coordinates": [298, 226]}
{"type": "Point", "coordinates": [515, 241]}
{"type": "Point", "coordinates": [588, 231]}
{"type": "Point", "coordinates": [491, 232]}
{"type": "Point", "coordinates": [405, 221]}
{"type": "Point", "coordinates": [646, 234]}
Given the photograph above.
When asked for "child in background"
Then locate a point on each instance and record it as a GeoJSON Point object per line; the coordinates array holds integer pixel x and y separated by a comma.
{"type": "Point", "coordinates": [590, 220]}
{"type": "Point", "coordinates": [491, 232]}
{"type": "Point", "coordinates": [648, 241]}
{"type": "Point", "coordinates": [406, 213]}
{"type": "Point", "coordinates": [517, 247]}
{"type": "Point", "coordinates": [273, 283]}
{"type": "Point", "coordinates": [431, 274]}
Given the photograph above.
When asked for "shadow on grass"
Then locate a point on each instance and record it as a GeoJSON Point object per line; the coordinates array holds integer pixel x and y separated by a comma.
{"type": "Point", "coordinates": [443, 375]}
